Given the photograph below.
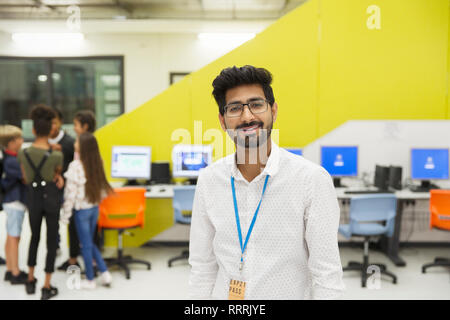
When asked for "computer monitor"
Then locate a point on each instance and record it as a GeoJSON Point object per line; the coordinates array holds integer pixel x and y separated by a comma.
{"type": "Point", "coordinates": [381, 179]}
{"type": "Point", "coordinates": [131, 162]}
{"type": "Point", "coordinates": [340, 161]}
{"type": "Point", "coordinates": [160, 173]}
{"type": "Point", "coordinates": [188, 160]}
{"type": "Point", "coordinates": [429, 164]}
{"type": "Point", "coordinates": [296, 151]}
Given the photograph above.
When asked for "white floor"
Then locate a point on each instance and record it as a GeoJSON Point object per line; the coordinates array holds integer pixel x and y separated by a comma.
{"type": "Point", "coordinates": [163, 283]}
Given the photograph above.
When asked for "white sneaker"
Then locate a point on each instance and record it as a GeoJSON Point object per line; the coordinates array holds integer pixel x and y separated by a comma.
{"type": "Point", "coordinates": [88, 284]}
{"type": "Point", "coordinates": [106, 279]}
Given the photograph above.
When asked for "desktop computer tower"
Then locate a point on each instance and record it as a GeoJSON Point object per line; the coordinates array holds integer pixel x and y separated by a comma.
{"type": "Point", "coordinates": [160, 173]}
{"type": "Point", "coordinates": [395, 177]}
{"type": "Point", "coordinates": [381, 180]}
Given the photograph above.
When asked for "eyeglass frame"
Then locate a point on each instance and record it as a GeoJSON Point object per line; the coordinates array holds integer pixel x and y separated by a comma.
{"type": "Point", "coordinates": [243, 107]}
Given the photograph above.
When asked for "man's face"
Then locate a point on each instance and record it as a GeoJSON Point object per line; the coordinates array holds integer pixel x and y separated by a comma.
{"type": "Point", "coordinates": [248, 130]}
{"type": "Point", "coordinates": [56, 126]}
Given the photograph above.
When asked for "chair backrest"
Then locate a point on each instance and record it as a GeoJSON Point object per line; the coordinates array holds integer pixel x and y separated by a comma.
{"type": "Point", "coordinates": [123, 209]}
{"type": "Point", "coordinates": [440, 209]}
{"type": "Point", "coordinates": [374, 208]}
{"type": "Point", "coordinates": [183, 199]}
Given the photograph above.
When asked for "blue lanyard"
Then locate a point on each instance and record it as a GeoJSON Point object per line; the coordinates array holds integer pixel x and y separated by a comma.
{"type": "Point", "coordinates": [238, 223]}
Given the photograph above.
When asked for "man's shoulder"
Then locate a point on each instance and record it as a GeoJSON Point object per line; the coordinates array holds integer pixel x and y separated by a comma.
{"type": "Point", "coordinates": [290, 161]}
{"type": "Point", "coordinates": [218, 168]}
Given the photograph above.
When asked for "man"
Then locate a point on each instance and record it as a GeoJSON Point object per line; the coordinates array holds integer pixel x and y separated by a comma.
{"type": "Point", "coordinates": [264, 221]}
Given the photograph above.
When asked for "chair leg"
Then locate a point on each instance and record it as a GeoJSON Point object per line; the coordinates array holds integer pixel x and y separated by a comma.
{"type": "Point", "coordinates": [122, 261]}
{"type": "Point", "coordinates": [439, 259]}
{"type": "Point", "coordinates": [363, 267]}
{"type": "Point", "coordinates": [184, 255]}
{"type": "Point", "coordinates": [438, 262]}
{"type": "Point", "coordinates": [390, 274]}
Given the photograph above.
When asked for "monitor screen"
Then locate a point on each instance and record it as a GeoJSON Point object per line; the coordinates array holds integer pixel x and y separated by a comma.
{"type": "Point", "coordinates": [340, 161]}
{"type": "Point", "coordinates": [188, 160]}
{"type": "Point", "coordinates": [296, 151]}
{"type": "Point", "coordinates": [429, 164]}
{"type": "Point", "coordinates": [131, 162]}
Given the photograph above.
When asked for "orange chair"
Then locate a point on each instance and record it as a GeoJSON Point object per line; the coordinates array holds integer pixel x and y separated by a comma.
{"type": "Point", "coordinates": [440, 219]}
{"type": "Point", "coordinates": [123, 210]}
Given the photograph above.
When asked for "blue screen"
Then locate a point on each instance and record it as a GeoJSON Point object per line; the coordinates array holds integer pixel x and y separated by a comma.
{"type": "Point", "coordinates": [429, 163]}
{"type": "Point", "coordinates": [295, 151]}
{"type": "Point", "coordinates": [340, 161]}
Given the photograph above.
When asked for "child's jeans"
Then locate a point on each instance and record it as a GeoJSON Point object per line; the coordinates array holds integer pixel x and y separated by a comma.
{"type": "Point", "coordinates": [86, 222]}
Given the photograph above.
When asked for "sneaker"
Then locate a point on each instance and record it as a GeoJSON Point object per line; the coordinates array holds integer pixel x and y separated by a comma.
{"type": "Point", "coordinates": [88, 284]}
{"type": "Point", "coordinates": [30, 286]}
{"type": "Point", "coordinates": [106, 279]}
{"type": "Point", "coordinates": [66, 265]}
{"type": "Point", "coordinates": [8, 275]}
{"type": "Point", "coordinates": [48, 293]}
{"type": "Point", "coordinates": [2, 261]}
{"type": "Point", "coordinates": [21, 278]}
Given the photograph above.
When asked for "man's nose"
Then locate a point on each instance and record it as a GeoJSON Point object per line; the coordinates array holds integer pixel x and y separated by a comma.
{"type": "Point", "coordinates": [247, 115]}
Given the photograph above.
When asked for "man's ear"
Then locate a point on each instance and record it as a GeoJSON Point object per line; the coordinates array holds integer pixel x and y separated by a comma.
{"type": "Point", "coordinates": [85, 127]}
{"type": "Point", "coordinates": [274, 111]}
{"type": "Point", "coordinates": [222, 122]}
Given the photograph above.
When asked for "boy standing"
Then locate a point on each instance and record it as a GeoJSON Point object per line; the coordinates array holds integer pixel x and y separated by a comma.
{"type": "Point", "coordinates": [13, 201]}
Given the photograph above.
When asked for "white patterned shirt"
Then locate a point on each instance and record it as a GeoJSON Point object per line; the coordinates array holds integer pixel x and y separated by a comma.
{"type": "Point", "coordinates": [293, 249]}
{"type": "Point", "coordinates": [74, 191]}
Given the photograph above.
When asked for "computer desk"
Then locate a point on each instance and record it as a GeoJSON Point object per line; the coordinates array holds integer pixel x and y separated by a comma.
{"type": "Point", "coordinates": [390, 246]}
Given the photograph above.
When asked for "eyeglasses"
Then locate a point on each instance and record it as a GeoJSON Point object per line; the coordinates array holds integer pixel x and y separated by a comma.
{"type": "Point", "coordinates": [256, 106]}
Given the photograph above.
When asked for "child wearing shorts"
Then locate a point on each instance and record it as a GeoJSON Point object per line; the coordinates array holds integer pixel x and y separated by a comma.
{"type": "Point", "coordinates": [14, 200]}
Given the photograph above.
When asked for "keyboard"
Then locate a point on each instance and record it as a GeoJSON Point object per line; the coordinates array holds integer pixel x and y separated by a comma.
{"type": "Point", "coordinates": [367, 191]}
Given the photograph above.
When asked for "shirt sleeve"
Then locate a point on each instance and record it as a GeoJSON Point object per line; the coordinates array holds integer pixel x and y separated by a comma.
{"type": "Point", "coordinates": [321, 235]}
{"type": "Point", "coordinates": [70, 191]}
{"type": "Point", "coordinates": [201, 254]}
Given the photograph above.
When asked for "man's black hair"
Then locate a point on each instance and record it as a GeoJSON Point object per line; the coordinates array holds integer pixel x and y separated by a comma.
{"type": "Point", "coordinates": [232, 77]}
{"type": "Point", "coordinates": [42, 117]}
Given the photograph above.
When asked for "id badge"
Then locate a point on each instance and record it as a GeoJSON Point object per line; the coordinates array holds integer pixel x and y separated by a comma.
{"type": "Point", "coordinates": [237, 290]}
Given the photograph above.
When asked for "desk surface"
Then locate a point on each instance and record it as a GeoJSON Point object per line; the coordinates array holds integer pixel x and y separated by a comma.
{"type": "Point", "coordinates": [404, 194]}
{"type": "Point", "coordinates": [166, 191]}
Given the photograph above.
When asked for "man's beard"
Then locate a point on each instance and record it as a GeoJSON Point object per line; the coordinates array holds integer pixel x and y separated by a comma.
{"type": "Point", "coordinates": [250, 141]}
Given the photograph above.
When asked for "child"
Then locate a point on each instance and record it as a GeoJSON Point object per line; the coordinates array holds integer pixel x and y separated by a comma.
{"type": "Point", "coordinates": [85, 188]}
{"type": "Point", "coordinates": [41, 168]}
{"type": "Point", "coordinates": [14, 200]}
{"type": "Point", "coordinates": [84, 121]}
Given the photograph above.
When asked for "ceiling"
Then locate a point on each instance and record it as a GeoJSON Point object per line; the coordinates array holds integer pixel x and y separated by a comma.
{"type": "Point", "coordinates": [147, 9]}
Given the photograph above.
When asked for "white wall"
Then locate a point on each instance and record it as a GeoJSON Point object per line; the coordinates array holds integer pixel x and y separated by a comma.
{"type": "Point", "coordinates": [384, 142]}
{"type": "Point", "coordinates": [149, 57]}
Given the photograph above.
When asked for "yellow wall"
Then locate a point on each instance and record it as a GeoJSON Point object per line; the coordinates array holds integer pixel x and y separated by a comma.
{"type": "Point", "coordinates": [328, 67]}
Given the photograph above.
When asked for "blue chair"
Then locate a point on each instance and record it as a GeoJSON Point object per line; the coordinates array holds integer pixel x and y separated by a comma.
{"type": "Point", "coordinates": [183, 198]}
{"type": "Point", "coordinates": [370, 215]}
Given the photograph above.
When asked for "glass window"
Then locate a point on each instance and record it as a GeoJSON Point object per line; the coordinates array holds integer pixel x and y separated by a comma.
{"type": "Point", "coordinates": [69, 84]}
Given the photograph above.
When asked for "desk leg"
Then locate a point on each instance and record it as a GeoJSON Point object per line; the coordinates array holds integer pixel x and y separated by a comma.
{"type": "Point", "coordinates": [390, 246]}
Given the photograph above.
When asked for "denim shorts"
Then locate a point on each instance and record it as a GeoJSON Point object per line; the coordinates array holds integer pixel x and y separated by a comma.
{"type": "Point", "coordinates": [14, 221]}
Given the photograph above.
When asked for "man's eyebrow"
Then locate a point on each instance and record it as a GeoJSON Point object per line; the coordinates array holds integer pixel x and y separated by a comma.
{"type": "Point", "coordinates": [249, 100]}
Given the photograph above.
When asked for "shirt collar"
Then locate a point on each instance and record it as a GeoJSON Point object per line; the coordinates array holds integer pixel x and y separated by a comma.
{"type": "Point", "coordinates": [270, 169]}
{"type": "Point", "coordinates": [58, 137]}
